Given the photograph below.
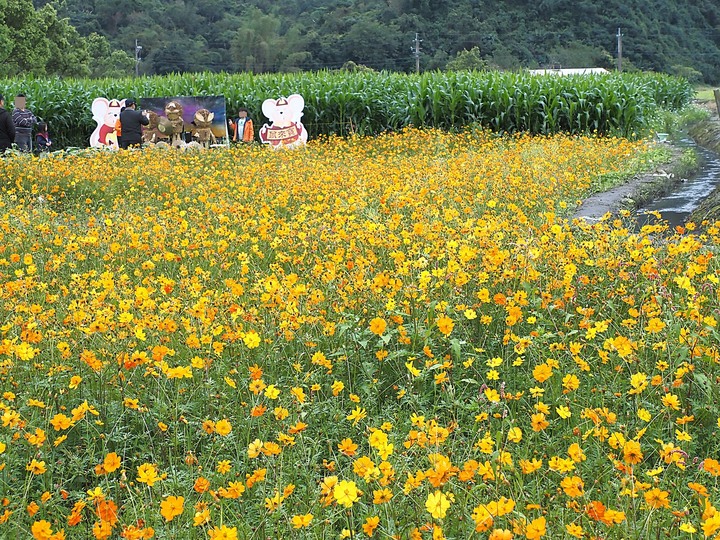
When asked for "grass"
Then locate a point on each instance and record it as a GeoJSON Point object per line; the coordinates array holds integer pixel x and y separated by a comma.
{"type": "Point", "coordinates": [704, 93]}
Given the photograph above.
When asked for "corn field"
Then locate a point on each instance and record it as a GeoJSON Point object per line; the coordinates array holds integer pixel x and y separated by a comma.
{"type": "Point", "coordinates": [372, 103]}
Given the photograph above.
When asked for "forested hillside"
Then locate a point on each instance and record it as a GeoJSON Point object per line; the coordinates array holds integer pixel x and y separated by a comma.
{"type": "Point", "coordinates": [679, 37]}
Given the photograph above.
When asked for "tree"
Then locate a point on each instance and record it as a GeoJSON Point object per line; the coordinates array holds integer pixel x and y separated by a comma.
{"type": "Point", "coordinates": [106, 61]}
{"type": "Point", "coordinates": [467, 60]}
{"type": "Point", "coordinates": [374, 44]}
{"type": "Point", "coordinates": [257, 45]}
{"type": "Point", "coordinates": [256, 35]}
{"type": "Point", "coordinates": [67, 52]}
{"type": "Point", "coordinates": [578, 55]}
{"type": "Point", "coordinates": [28, 47]}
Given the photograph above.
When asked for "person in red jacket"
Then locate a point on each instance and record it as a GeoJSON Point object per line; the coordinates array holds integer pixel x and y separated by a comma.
{"type": "Point", "coordinates": [243, 129]}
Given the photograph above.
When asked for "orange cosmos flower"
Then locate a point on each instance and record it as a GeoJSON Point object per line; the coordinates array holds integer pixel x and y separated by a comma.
{"type": "Point", "coordinates": [347, 447]}
{"type": "Point", "coordinates": [381, 496]}
{"type": "Point", "coordinates": [657, 498]}
{"type": "Point", "coordinates": [538, 422]}
{"type": "Point", "coordinates": [536, 529]}
{"type": "Point", "coordinates": [171, 507]}
{"type": "Point", "coordinates": [378, 326]}
{"type": "Point", "coordinates": [111, 462]}
{"type": "Point", "coordinates": [542, 372]}
{"type": "Point", "coordinates": [201, 485]}
{"type": "Point", "coordinates": [101, 530]}
{"type": "Point", "coordinates": [632, 454]}
{"type": "Point", "coordinates": [595, 510]}
{"type": "Point", "coordinates": [501, 534]}
{"type": "Point", "coordinates": [371, 523]}
{"type": "Point", "coordinates": [41, 530]}
{"type": "Point", "coordinates": [445, 324]}
{"type": "Point", "coordinates": [712, 466]}
{"type": "Point", "coordinates": [573, 486]}
{"type": "Point", "coordinates": [258, 410]}
{"type": "Point", "coordinates": [107, 511]}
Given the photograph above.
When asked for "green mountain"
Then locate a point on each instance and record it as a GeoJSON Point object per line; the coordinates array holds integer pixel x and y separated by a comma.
{"type": "Point", "coordinates": [679, 37]}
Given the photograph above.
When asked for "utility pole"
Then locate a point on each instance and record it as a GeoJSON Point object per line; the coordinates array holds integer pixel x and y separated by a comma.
{"type": "Point", "coordinates": [416, 52]}
{"type": "Point", "coordinates": [138, 48]}
{"type": "Point", "coordinates": [619, 42]}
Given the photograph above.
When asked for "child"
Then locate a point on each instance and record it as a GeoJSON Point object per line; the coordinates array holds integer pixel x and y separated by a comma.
{"type": "Point", "coordinates": [243, 130]}
{"type": "Point", "coordinates": [42, 138]}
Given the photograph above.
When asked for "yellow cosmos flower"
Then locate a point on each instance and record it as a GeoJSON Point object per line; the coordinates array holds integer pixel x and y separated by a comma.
{"type": "Point", "coordinates": [346, 493]}
{"type": "Point", "coordinates": [147, 474]}
{"type": "Point", "coordinates": [36, 467]}
{"type": "Point", "coordinates": [437, 504]}
{"type": "Point", "coordinates": [515, 434]}
{"type": "Point", "coordinates": [301, 520]}
{"type": "Point", "coordinates": [223, 427]}
{"type": "Point", "coordinates": [223, 533]}
{"type": "Point", "coordinates": [671, 401]}
{"type": "Point", "coordinates": [357, 414]}
{"type": "Point", "coordinates": [251, 340]}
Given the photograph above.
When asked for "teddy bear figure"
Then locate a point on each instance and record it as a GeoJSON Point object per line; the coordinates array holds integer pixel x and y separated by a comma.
{"type": "Point", "coordinates": [202, 122]}
{"type": "Point", "coordinates": [152, 133]}
{"type": "Point", "coordinates": [174, 112]}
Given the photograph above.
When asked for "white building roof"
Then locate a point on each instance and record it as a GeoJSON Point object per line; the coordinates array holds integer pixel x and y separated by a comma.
{"type": "Point", "coordinates": [572, 71]}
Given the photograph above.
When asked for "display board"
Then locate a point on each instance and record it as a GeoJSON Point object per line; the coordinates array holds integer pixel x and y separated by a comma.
{"type": "Point", "coordinates": [181, 110]}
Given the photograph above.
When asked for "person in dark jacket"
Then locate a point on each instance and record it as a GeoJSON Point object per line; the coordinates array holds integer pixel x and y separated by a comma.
{"type": "Point", "coordinates": [42, 138]}
{"type": "Point", "coordinates": [132, 121]}
{"type": "Point", "coordinates": [7, 128]}
{"type": "Point", "coordinates": [24, 120]}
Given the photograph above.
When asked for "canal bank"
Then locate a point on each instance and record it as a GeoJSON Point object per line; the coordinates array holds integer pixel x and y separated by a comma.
{"type": "Point", "coordinates": [707, 135]}
{"type": "Point", "coordinates": [638, 191]}
{"type": "Point", "coordinates": [681, 180]}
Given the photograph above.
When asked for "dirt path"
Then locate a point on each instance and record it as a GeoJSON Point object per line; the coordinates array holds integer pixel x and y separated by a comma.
{"type": "Point", "coordinates": [644, 188]}
{"type": "Point", "coordinates": [631, 195]}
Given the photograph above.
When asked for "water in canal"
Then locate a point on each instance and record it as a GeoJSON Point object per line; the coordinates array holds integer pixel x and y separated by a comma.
{"type": "Point", "coordinates": [677, 205]}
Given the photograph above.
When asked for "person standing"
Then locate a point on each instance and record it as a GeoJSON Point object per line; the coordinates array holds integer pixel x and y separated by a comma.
{"type": "Point", "coordinates": [24, 120]}
{"type": "Point", "coordinates": [243, 130]}
{"type": "Point", "coordinates": [7, 128]}
{"type": "Point", "coordinates": [132, 121]}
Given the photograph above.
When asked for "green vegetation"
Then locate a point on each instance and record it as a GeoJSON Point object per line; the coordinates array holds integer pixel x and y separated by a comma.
{"type": "Point", "coordinates": [682, 37]}
{"type": "Point", "coordinates": [704, 93]}
{"type": "Point", "coordinates": [39, 43]}
{"type": "Point", "coordinates": [371, 103]}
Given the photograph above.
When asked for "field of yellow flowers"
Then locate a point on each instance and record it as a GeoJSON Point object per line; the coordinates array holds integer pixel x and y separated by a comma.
{"type": "Point", "coordinates": [399, 337]}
